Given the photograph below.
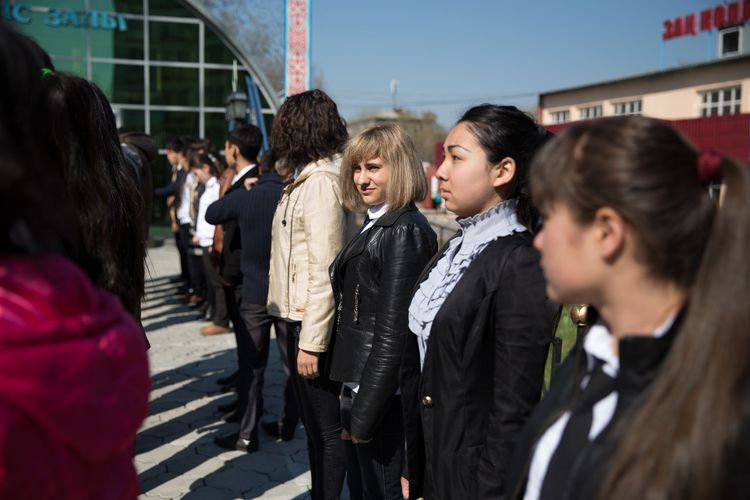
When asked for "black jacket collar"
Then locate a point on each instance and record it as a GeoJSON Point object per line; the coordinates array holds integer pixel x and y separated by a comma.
{"type": "Point", "coordinates": [390, 218]}
{"type": "Point", "coordinates": [251, 172]}
{"type": "Point", "coordinates": [358, 243]}
{"type": "Point", "coordinates": [640, 356]}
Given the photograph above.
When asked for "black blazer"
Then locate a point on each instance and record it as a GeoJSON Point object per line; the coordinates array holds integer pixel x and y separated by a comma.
{"type": "Point", "coordinates": [253, 211]}
{"type": "Point", "coordinates": [640, 360]}
{"type": "Point", "coordinates": [372, 279]}
{"type": "Point", "coordinates": [231, 259]}
{"type": "Point", "coordinates": [483, 370]}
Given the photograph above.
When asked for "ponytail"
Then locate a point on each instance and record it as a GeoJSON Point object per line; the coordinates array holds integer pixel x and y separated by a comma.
{"type": "Point", "coordinates": [506, 131]}
{"type": "Point", "coordinates": [679, 443]}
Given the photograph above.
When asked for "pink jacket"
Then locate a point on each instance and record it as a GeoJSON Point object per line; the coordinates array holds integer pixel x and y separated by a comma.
{"type": "Point", "coordinates": [74, 385]}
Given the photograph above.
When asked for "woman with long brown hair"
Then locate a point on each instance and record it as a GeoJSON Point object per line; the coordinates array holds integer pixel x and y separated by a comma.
{"type": "Point", "coordinates": [308, 232]}
{"type": "Point", "coordinates": [108, 206]}
{"type": "Point", "coordinates": [655, 404]}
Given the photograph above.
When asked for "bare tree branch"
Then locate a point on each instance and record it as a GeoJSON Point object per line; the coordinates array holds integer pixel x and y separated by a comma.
{"type": "Point", "coordinates": [256, 27]}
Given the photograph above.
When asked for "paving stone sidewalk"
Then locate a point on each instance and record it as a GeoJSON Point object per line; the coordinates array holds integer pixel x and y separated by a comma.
{"type": "Point", "coordinates": [175, 453]}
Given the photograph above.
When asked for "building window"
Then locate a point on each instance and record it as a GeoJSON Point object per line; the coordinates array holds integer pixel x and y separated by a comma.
{"type": "Point", "coordinates": [591, 112]}
{"type": "Point", "coordinates": [174, 41]}
{"type": "Point", "coordinates": [121, 83]}
{"type": "Point", "coordinates": [721, 101]}
{"type": "Point", "coordinates": [215, 51]}
{"type": "Point", "coordinates": [627, 108]}
{"type": "Point", "coordinates": [560, 116]}
{"type": "Point", "coordinates": [729, 42]}
{"type": "Point", "coordinates": [118, 44]}
{"type": "Point", "coordinates": [168, 124]}
{"type": "Point", "coordinates": [174, 86]}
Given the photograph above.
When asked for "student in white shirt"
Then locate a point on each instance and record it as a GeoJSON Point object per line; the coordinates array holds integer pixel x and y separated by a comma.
{"type": "Point", "coordinates": [655, 405]}
{"type": "Point", "coordinates": [206, 170]}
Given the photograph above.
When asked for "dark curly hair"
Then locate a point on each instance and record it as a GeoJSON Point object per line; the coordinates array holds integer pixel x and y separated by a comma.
{"type": "Point", "coordinates": [307, 128]}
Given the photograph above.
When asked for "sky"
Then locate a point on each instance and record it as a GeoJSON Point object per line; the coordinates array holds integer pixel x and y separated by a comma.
{"type": "Point", "coordinates": [448, 55]}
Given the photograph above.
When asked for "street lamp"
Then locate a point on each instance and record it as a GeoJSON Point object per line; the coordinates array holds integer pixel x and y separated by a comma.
{"type": "Point", "coordinates": [236, 107]}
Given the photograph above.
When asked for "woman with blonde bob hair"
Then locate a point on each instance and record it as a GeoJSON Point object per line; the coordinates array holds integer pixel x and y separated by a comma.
{"type": "Point", "coordinates": [391, 144]}
{"type": "Point", "coordinates": [372, 279]}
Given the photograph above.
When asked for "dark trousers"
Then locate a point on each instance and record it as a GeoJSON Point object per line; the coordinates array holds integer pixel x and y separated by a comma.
{"type": "Point", "coordinates": [286, 342]}
{"type": "Point", "coordinates": [183, 256]}
{"type": "Point", "coordinates": [183, 243]}
{"type": "Point", "coordinates": [197, 274]}
{"type": "Point", "coordinates": [319, 409]}
{"type": "Point", "coordinates": [216, 299]}
{"type": "Point", "coordinates": [373, 469]}
{"type": "Point", "coordinates": [254, 350]}
{"type": "Point", "coordinates": [232, 298]}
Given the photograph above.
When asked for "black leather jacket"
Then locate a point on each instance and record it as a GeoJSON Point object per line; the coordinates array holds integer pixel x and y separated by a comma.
{"type": "Point", "coordinates": [372, 280]}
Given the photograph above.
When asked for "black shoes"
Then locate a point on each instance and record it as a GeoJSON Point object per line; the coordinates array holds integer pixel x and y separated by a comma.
{"type": "Point", "coordinates": [278, 431]}
{"type": "Point", "coordinates": [229, 379]}
{"type": "Point", "coordinates": [228, 407]}
{"type": "Point", "coordinates": [226, 389]}
{"type": "Point", "coordinates": [235, 442]}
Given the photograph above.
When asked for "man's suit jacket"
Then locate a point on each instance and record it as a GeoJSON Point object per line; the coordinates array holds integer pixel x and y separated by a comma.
{"type": "Point", "coordinates": [232, 256]}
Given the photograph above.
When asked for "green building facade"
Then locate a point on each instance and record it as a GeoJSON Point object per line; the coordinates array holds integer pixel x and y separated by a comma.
{"type": "Point", "coordinates": [163, 64]}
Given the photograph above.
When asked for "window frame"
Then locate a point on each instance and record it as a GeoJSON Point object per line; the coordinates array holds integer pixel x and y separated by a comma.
{"type": "Point", "coordinates": [556, 116]}
{"type": "Point", "coordinates": [628, 107]}
{"type": "Point", "coordinates": [584, 112]}
{"type": "Point", "coordinates": [726, 31]}
{"type": "Point", "coordinates": [707, 103]}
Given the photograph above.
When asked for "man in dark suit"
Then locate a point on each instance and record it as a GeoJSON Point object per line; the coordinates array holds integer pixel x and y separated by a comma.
{"type": "Point", "coordinates": [253, 210]}
{"type": "Point", "coordinates": [170, 192]}
{"type": "Point", "coordinates": [241, 151]}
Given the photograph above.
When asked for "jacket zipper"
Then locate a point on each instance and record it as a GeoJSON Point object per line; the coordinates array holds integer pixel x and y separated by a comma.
{"type": "Point", "coordinates": [290, 278]}
{"type": "Point", "coordinates": [339, 307]}
{"type": "Point", "coordinates": [288, 259]}
{"type": "Point", "coordinates": [356, 304]}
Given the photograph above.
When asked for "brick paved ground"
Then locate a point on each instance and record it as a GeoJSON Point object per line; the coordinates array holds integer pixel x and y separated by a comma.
{"type": "Point", "coordinates": [175, 453]}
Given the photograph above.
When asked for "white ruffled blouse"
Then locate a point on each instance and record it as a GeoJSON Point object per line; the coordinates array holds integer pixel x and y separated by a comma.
{"type": "Point", "coordinates": [474, 234]}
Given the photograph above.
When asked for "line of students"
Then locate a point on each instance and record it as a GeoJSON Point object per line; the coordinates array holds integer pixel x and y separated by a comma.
{"type": "Point", "coordinates": [431, 372]}
{"type": "Point", "coordinates": [413, 378]}
{"type": "Point", "coordinates": [393, 408]}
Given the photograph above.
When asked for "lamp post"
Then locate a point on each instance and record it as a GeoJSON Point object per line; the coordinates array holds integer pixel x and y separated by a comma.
{"type": "Point", "coordinates": [236, 108]}
{"type": "Point", "coordinates": [236, 102]}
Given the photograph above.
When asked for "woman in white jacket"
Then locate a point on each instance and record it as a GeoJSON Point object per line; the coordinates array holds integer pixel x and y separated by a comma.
{"type": "Point", "coordinates": [308, 232]}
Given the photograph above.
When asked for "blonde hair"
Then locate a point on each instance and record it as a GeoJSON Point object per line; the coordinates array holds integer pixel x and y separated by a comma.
{"type": "Point", "coordinates": [407, 182]}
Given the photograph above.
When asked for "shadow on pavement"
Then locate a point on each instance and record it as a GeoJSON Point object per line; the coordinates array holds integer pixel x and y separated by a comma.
{"type": "Point", "coordinates": [252, 474]}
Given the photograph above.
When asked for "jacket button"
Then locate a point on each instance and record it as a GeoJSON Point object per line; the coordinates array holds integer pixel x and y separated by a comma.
{"type": "Point", "coordinates": [427, 401]}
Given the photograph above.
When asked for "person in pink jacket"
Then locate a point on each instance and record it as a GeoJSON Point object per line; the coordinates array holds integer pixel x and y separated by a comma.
{"type": "Point", "coordinates": [73, 384]}
{"type": "Point", "coordinates": [74, 377]}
